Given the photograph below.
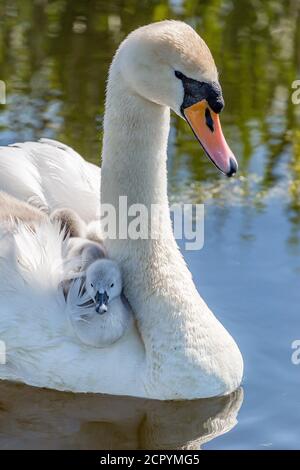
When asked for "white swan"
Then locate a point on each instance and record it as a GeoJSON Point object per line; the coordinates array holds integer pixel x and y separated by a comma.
{"type": "Point", "coordinates": [180, 350]}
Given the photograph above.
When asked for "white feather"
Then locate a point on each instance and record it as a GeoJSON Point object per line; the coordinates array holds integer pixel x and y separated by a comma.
{"type": "Point", "coordinates": [42, 348]}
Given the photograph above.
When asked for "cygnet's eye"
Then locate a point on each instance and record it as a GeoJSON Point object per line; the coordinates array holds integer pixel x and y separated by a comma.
{"type": "Point", "coordinates": [112, 285]}
{"type": "Point", "coordinates": [92, 285]}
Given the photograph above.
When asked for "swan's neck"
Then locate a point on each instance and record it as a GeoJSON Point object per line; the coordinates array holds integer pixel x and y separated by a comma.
{"type": "Point", "coordinates": [173, 319]}
{"type": "Point", "coordinates": [134, 147]}
{"type": "Point", "coordinates": [134, 165]}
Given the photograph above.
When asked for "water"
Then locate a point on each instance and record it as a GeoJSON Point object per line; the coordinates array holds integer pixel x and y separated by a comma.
{"type": "Point", "coordinates": [54, 58]}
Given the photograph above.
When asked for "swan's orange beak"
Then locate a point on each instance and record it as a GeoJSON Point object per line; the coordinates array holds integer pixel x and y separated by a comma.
{"type": "Point", "coordinates": [206, 126]}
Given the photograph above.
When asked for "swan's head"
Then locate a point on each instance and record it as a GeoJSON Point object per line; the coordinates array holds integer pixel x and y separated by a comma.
{"type": "Point", "coordinates": [169, 64]}
{"type": "Point", "coordinates": [103, 283]}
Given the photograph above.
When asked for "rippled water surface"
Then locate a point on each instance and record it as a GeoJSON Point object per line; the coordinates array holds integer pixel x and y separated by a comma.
{"type": "Point", "coordinates": [54, 57]}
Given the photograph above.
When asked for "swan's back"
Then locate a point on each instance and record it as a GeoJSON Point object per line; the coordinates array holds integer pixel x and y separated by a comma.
{"type": "Point", "coordinates": [50, 174]}
{"type": "Point", "coordinates": [36, 329]}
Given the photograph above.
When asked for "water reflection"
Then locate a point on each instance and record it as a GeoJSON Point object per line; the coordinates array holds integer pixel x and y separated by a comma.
{"type": "Point", "coordinates": [45, 419]}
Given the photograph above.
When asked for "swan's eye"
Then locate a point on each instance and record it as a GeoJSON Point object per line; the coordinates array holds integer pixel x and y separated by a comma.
{"type": "Point", "coordinates": [92, 285]}
{"type": "Point", "coordinates": [112, 285]}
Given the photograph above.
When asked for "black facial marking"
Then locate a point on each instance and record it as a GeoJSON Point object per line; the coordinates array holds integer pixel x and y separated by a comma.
{"type": "Point", "coordinates": [233, 168]}
{"type": "Point", "coordinates": [179, 75]}
{"type": "Point", "coordinates": [195, 91]}
{"type": "Point", "coordinates": [209, 120]}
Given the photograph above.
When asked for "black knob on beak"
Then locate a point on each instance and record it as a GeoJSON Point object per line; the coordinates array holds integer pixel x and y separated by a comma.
{"type": "Point", "coordinates": [233, 168]}
{"type": "Point", "coordinates": [101, 299]}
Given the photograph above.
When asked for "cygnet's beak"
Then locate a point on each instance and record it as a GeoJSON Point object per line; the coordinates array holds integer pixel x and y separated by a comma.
{"type": "Point", "coordinates": [206, 126]}
{"type": "Point", "coordinates": [101, 300]}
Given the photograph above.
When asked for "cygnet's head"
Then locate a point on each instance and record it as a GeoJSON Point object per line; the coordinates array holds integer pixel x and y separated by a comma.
{"type": "Point", "coordinates": [169, 64]}
{"type": "Point", "coordinates": [103, 283]}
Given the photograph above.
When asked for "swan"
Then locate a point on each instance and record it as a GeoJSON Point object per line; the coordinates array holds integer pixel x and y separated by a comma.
{"type": "Point", "coordinates": [100, 315]}
{"type": "Point", "coordinates": [178, 350]}
{"type": "Point", "coordinates": [103, 283]}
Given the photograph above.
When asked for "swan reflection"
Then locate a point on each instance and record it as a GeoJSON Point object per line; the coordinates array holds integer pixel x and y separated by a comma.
{"type": "Point", "coordinates": [32, 418]}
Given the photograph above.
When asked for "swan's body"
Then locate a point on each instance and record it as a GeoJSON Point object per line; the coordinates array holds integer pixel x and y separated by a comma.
{"type": "Point", "coordinates": [180, 350]}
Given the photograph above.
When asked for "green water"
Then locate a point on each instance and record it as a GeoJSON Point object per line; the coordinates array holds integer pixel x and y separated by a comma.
{"type": "Point", "coordinates": [54, 58]}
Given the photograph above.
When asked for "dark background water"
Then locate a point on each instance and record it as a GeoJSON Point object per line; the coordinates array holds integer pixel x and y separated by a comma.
{"type": "Point", "coordinates": [54, 58]}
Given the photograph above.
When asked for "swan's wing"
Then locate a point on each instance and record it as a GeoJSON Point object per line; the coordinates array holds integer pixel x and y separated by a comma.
{"type": "Point", "coordinates": [50, 174]}
{"type": "Point", "coordinates": [41, 347]}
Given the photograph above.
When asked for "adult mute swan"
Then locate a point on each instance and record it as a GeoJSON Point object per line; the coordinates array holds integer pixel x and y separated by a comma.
{"type": "Point", "coordinates": [179, 350]}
